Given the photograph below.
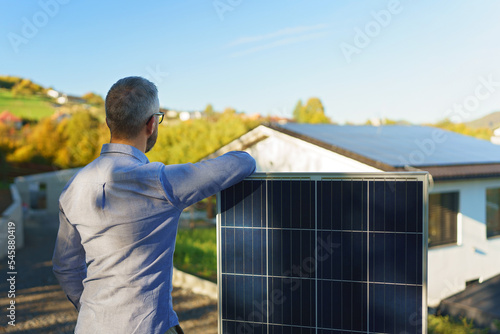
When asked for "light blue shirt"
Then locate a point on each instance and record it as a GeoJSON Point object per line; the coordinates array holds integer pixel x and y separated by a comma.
{"type": "Point", "coordinates": [117, 227]}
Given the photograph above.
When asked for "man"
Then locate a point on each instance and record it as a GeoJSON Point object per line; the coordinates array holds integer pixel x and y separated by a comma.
{"type": "Point", "coordinates": [118, 219]}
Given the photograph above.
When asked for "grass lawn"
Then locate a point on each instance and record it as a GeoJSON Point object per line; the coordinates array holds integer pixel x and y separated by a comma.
{"type": "Point", "coordinates": [196, 252]}
{"type": "Point", "coordinates": [28, 107]}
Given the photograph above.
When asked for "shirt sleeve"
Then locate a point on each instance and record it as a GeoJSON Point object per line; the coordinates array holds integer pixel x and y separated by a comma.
{"type": "Point", "coordinates": [187, 184]}
{"type": "Point", "coordinates": [69, 260]}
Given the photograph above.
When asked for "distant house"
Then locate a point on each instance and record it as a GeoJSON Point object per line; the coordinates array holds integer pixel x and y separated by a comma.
{"type": "Point", "coordinates": [464, 197]}
{"type": "Point", "coordinates": [495, 139]}
{"type": "Point", "coordinates": [8, 118]}
{"type": "Point", "coordinates": [75, 99]}
{"type": "Point", "coordinates": [53, 93]}
{"type": "Point", "coordinates": [63, 99]}
{"type": "Point", "coordinates": [187, 115]}
{"type": "Point", "coordinates": [170, 114]}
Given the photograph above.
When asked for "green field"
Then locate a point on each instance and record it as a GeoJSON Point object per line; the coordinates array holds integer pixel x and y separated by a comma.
{"type": "Point", "coordinates": [29, 107]}
{"type": "Point", "coordinates": [196, 252]}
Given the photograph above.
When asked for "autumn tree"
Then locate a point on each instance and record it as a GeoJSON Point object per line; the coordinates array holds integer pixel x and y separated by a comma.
{"type": "Point", "coordinates": [82, 140]}
{"type": "Point", "coordinates": [77, 139]}
{"type": "Point", "coordinates": [40, 144]}
{"type": "Point", "coordinates": [26, 87]}
{"type": "Point", "coordinates": [481, 133]}
{"type": "Point", "coordinates": [209, 110]}
{"type": "Point", "coordinates": [92, 98]}
{"type": "Point", "coordinates": [8, 144]}
{"type": "Point", "coordinates": [71, 142]}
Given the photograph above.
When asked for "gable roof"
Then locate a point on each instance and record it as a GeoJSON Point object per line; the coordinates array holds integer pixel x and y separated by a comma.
{"type": "Point", "coordinates": [401, 145]}
{"type": "Point", "coordinates": [7, 116]}
{"type": "Point", "coordinates": [444, 154]}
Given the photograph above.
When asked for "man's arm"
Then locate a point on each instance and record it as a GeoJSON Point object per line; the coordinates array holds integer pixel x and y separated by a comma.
{"type": "Point", "coordinates": [69, 260]}
{"type": "Point", "coordinates": [190, 183]}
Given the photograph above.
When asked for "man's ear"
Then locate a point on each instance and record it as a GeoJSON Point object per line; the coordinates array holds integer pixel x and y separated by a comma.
{"type": "Point", "coordinates": [150, 126]}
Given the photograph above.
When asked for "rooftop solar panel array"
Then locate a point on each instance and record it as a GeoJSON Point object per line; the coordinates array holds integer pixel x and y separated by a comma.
{"type": "Point", "coordinates": [400, 145]}
{"type": "Point", "coordinates": [323, 253]}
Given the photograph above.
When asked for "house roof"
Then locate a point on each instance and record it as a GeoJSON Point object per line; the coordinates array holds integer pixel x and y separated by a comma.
{"type": "Point", "coordinates": [445, 154]}
{"type": "Point", "coordinates": [7, 116]}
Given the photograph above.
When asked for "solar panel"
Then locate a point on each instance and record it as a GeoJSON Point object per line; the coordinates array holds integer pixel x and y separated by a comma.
{"type": "Point", "coordinates": [400, 145]}
{"type": "Point", "coordinates": [323, 254]}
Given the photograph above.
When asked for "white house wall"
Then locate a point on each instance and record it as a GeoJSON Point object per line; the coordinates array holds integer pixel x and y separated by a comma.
{"type": "Point", "coordinates": [54, 183]}
{"type": "Point", "coordinates": [475, 256]}
{"type": "Point", "coordinates": [283, 153]}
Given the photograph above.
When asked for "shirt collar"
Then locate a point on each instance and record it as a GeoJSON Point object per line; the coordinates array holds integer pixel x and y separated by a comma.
{"type": "Point", "coordinates": [124, 149]}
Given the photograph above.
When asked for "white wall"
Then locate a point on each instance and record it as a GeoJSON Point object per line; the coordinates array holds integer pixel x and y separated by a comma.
{"type": "Point", "coordinates": [22, 196]}
{"type": "Point", "coordinates": [282, 153]}
{"type": "Point", "coordinates": [474, 256]}
{"type": "Point", "coordinates": [54, 182]}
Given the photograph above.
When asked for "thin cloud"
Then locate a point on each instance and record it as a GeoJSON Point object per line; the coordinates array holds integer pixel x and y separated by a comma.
{"type": "Point", "coordinates": [280, 33]}
{"type": "Point", "coordinates": [278, 43]}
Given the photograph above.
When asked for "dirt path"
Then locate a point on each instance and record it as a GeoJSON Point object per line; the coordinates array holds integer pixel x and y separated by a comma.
{"type": "Point", "coordinates": [42, 307]}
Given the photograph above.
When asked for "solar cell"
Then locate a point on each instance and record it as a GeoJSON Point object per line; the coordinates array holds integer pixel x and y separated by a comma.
{"type": "Point", "coordinates": [323, 253]}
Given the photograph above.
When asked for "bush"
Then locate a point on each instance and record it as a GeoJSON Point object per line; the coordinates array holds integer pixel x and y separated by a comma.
{"type": "Point", "coordinates": [446, 325]}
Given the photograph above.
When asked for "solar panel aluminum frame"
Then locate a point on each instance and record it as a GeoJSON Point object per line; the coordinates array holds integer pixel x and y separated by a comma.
{"type": "Point", "coordinates": [387, 176]}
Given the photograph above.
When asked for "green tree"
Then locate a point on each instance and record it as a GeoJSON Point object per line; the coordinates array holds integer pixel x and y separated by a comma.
{"type": "Point", "coordinates": [8, 82]}
{"type": "Point", "coordinates": [229, 110]}
{"type": "Point", "coordinates": [209, 110]}
{"type": "Point", "coordinates": [190, 141]}
{"type": "Point", "coordinates": [313, 112]}
{"type": "Point", "coordinates": [298, 110]}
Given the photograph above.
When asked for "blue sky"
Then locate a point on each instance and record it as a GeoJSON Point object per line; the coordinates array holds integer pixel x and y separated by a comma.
{"type": "Point", "coordinates": [420, 61]}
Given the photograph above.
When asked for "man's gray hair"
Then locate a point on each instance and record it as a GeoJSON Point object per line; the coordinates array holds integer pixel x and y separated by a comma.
{"type": "Point", "coordinates": [129, 104]}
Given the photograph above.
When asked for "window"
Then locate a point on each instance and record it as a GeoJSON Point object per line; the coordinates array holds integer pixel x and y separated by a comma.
{"type": "Point", "coordinates": [492, 212]}
{"type": "Point", "coordinates": [443, 209]}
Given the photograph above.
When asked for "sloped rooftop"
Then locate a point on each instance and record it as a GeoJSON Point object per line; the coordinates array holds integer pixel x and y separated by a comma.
{"type": "Point", "coordinates": [394, 144]}
{"type": "Point", "coordinates": [6, 116]}
{"type": "Point", "coordinates": [444, 154]}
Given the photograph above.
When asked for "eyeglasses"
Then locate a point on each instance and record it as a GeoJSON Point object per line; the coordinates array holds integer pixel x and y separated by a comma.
{"type": "Point", "coordinates": [160, 119]}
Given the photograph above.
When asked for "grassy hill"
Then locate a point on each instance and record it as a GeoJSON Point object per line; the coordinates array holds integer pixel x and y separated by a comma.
{"type": "Point", "coordinates": [491, 121]}
{"type": "Point", "coordinates": [33, 107]}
